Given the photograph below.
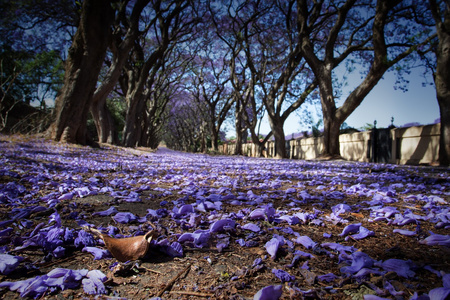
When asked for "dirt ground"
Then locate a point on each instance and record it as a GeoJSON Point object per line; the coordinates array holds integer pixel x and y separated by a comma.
{"type": "Point", "coordinates": [207, 273]}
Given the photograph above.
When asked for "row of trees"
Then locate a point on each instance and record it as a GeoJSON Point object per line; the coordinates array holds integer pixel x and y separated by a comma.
{"type": "Point", "coordinates": [183, 68]}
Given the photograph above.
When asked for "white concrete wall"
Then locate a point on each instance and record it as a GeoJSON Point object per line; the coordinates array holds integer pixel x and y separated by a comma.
{"type": "Point", "coordinates": [412, 145]}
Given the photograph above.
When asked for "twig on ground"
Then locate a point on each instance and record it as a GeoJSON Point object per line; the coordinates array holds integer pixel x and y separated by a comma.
{"type": "Point", "coordinates": [172, 281]}
{"type": "Point", "coordinates": [197, 294]}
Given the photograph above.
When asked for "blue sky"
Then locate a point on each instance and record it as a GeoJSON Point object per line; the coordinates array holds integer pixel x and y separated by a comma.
{"type": "Point", "coordinates": [418, 104]}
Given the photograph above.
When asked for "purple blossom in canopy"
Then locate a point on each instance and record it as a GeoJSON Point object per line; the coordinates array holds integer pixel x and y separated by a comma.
{"type": "Point", "coordinates": [9, 263]}
{"type": "Point", "coordinates": [108, 212]}
{"type": "Point", "coordinates": [222, 225]}
{"type": "Point", "coordinates": [306, 241]}
{"type": "Point", "coordinates": [350, 229]}
{"type": "Point", "coordinates": [252, 227]}
{"type": "Point", "coordinates": [399, 266]}
{"type": "Point", "coordinates": [270, 292]}
{"type": "Point", "coordinates": [97, 252]}
{"type": "Point", "coordinates": [283, 275]}
{"type": "Point", "coordinates": [124, 217]}
{"type": "Point", "coordinates": [437, 239]}
{"type": "Point", "coordinates": [359, 260]}
{"type": "Point", "coordinates": [272, 247]}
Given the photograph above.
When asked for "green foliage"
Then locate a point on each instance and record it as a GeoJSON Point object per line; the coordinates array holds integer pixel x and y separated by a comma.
{"type": "Point", "coordinates": [35, 77]}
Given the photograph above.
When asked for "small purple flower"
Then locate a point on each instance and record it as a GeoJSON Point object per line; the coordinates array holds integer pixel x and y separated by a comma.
{"type": "Point", "coordinates": [124, 217]}
{"type": "Point", "coordinates": [359, 260]}
{"type": "Point", "coordinates": [272, 247]}
{"type": "Point", "coordinates": [252, 227]}
{"type": "Point", "coordinates": [84, 239]}
{"type": "Point", "coordinates": [352, 228]}
{"type": "Point", "coordinates": [97, 252]}
{"type": "Point", "coordinates": [270, 292]}
{"type": "Point", "coordinates": [306, 241]}
{"type": "Point", "coordinates": [283, 275]}
{"type": "Point", "coordinates": [9, 263]}
{"type": "Point", "coordinates": [93, 284]}
{"type": "Point", "coordinates": [437, 239]}
{"type": "Point", "coordinates": [222, 225]}
{"type": "Point", "coordinates": [108, 212]}
{"type": "Point", "coordinates": [401, 267]}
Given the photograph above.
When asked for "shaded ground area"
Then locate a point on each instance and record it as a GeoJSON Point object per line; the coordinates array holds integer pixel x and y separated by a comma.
{"type": "Point", "coordinates": [322, 230]}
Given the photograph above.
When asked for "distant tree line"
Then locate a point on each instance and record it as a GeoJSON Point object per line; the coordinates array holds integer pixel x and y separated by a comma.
{"type": "Point", "coordinates": [138, 72]}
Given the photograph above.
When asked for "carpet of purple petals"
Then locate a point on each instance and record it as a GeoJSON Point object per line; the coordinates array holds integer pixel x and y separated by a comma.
{"type": "Point", "coordinates": [228, 227]}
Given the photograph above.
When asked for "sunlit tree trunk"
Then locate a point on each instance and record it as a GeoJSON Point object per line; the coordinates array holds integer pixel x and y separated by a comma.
{"type": "Point", "coordinates": [83, 65]}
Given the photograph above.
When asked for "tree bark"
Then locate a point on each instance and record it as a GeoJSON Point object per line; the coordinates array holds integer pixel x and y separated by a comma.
{"type": "Point", "coordinates": [103, 119]}
{"type": "Point", "coordinates": [442, 80]}
{"type": "Point", "coordinates": [83, 65]}
{"type": "Point", "coordinates": [278, 133]}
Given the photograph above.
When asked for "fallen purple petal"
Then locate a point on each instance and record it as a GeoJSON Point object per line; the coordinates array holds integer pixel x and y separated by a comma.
{"type": "Point", "coordinates": [9, 263]}
{"type": "Point", "coordinates": [270, 292]}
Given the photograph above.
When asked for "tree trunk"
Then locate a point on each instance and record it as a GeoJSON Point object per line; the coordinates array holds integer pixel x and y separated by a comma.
{"type": "Point", "coordinates": [83, 65]}
{"type": "Point", "coordinates": [278, 133]}
{"type": "Point", "coordinates": [331, 137]}
{"type": "Point", "coordinates": [104, 123]}
{"type": "Point", "coordinates": [442, 82]}
{"type": "Point", "coordinates": [132, 128]}
{"type": "Point", "coordinates": [238, 125]}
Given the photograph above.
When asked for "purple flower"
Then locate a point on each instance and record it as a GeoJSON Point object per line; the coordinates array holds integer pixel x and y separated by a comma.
{"type": "Point", "coordinates": [362, 234]}
{"type": "Point", "coordinates": [269, 293]}
{"type": "Point", "coordinates": [251, 227]}
{"type": "Point", "coordinates": [97, 252]}
{"type": "Point", "coordinates": [9, 263]}
{"type": "Point", "coordinates": [31, 287]}
{"type": "Point", "coordinates": [350, 229]}
{"type": "Point", "coordinates": [272, 247]}
{"type": "Point", "coordinates": [200, 238]}
{"type": "Point", "coordinates": [306, 241]}
{"type": "Point", "coordinates": [84, 239]}
{"type": "Point", "coordinates": [222, 225]}
{"type": "Point", "coordinates": [405, 232]}
{"type": "Point", "coordinates": [124, 217]}
{"type": "Point", "coordinates": [65, 278]}
{"type": "Point", "coordinates": [283, 275]}
{"type": "Point", "coordinates": [108, 212]}
{"type": "Point", "coordinates": [437, 239]}
{"type": "Point", "coordinates": [327, 277]}
{"type": "Point", "coordinates": [93, 284]}
{"type": "Point", "coordinates": [401, 267]}
{"type": "Point", "coordinates": [359, 260]}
